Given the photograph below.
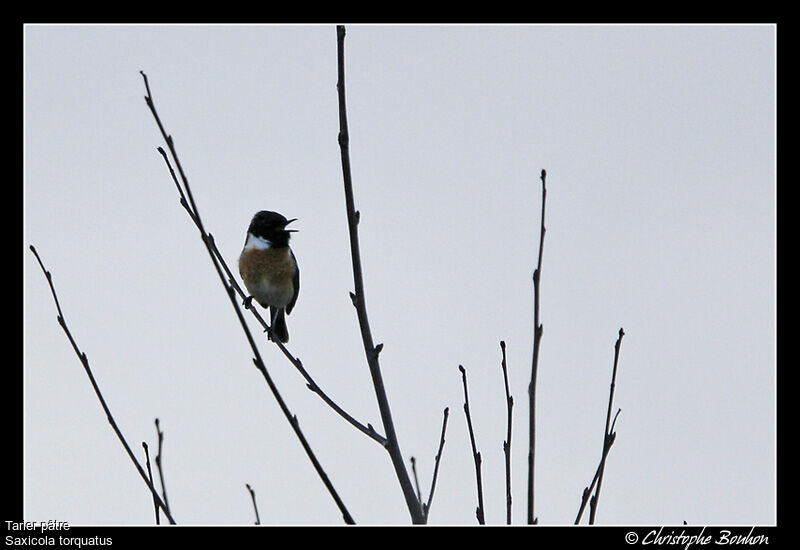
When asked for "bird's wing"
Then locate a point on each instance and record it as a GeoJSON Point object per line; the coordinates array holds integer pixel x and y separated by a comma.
{"type": "Point", "coordinates": [296, 282]}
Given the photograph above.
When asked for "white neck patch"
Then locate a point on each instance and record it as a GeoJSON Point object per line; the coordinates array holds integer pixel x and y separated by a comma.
{"type": "Point", "coordinates": [256, 242]}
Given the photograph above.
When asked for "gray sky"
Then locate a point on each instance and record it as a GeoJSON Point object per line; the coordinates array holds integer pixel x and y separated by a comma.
{"type": "Point", "coordinates": [659, 145]}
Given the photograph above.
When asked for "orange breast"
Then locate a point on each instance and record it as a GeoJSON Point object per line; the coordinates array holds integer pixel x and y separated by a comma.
{"type": "Point", "coordinates": [267, 274]}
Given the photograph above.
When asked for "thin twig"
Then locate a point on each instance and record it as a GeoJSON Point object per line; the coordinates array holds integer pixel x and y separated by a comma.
{"type": "Point", "coordinates": [259, 363]}
{"type": "Point", "coordinates": [427, 505]}
{"type": "Point", "coordinates": [609, 434]}
{"type": "Point", "coordinates": [475, 454]}
{"type": "Point", "coordinates": [359, 300]}
{"type": "Point", "coordinates": [416, 479]}
{"type": "Point", "coordinates": [587, 491]}
{"type": "Point", "coordinates": [98, 393]}
{"type": "Point", "coordinates": [296, 362]}
{"type": "Point", "coordinates": [608, 440]}
{"type": "Point", "coordinates": [537, 337]}
{"type": "Point", "coordinates": [150, 477]}
{"type": "Point", "coordinates": [507, 442]}
{"type": "Point", "coordinates": [159, 463]}
{"type": "Point", "coordinates": [255, 506]}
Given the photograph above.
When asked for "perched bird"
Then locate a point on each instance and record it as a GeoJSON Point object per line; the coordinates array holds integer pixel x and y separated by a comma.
{"type": "Point", "coordinates": [269, 269]}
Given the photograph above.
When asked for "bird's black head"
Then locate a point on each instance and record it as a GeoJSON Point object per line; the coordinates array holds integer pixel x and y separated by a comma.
{"type": "Point", "coordinates": [272, 227]}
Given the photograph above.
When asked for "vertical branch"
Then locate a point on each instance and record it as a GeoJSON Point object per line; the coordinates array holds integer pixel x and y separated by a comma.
{"type": "Point", "coordinates": [255, 506]}
{"type": "Point", "coordinates": [359, 300]}
{"type": "Point", "coordinates": [537, 337]}
{"type": "Point", "coordinates": [475, 454]}
{"type": "Point", "coordinates": [159, 463]}
{"type": "Point", "coordinates": [416, 479]}
{"type": "Point", "coordinates": [507, 442]}
{"type": "Point", "coordinates": [609, 435]}
{"type": "Point", "coordinates": [150, 477]}
{"type": "Point", "coordinates": [427, 506]}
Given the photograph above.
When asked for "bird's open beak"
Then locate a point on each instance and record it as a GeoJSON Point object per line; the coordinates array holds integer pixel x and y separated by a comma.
{"type": "Point", "coordinates": [287, 223]}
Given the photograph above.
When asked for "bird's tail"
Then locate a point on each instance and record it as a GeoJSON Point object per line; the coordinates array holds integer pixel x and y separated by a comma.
{"type": "Point", "coordinates": [279, 325]}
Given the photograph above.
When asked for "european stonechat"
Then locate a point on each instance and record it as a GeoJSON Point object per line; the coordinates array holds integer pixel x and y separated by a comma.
{"type": "Point", "coordinates": [269, 269]}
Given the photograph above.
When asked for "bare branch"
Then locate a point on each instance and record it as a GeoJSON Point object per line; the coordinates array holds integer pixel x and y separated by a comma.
{"type": "Point", "coordinates": [507, 442]}
{"type": "Point", "coordinates": [609, 435]}
{"type": "Point", "coordinates": [537, 337]}
{"type": "Point", "coordinates": [98, 393]}
{"type": "Point", "coordinates": [255, 506]}
{"type": "Point", "coordinates": [587, 491]}
{"type": "Point", "coordinates": [479, 513]}
{"type": "Point", "coordinates": [150, 477]}
{"type": "Point", "coordinates": [608, 440]}
{"type": "Point", "coordinates": [359, 301]}
{"type": "Point", "coordinates": [427, 505]}
{"type": "Point", "coordinates": [195, 214]}
{"type": "Point", "coordinates": [159, 463]}
{"type": "Point", "coordinates": [416, 479]}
